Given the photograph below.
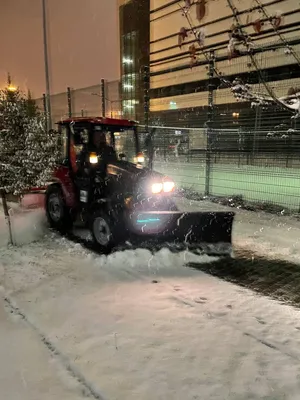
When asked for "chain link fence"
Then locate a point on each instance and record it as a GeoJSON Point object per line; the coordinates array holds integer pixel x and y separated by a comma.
{"type": "Point", "coordinates": [249, 154]}
{"type": "Point", "coordinates": [255, 168]}
{"type": "Point", "coordinates": [85, 102]}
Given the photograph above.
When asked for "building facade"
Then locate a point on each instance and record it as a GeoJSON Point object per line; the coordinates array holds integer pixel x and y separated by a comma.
{"type": "Point", "coordinates": [134, 19]}
{"type": "Point", "coordinates": [179, 90]}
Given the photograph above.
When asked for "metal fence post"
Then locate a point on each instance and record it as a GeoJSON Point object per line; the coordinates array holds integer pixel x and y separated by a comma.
{"type": "Point", "coordinates": [146, 79]}
{"type": "Point", "coordinates": [103, 98]}
{"type": "Point", "coordinates": [45, 111]}
{"type": "Point", "coordinates": [146, 96]}
{"type": "Point", "coordinates": [45, 103]}
{"type": "Point", "coordinates": [210, 116]}
{"type": "Point", "coordinates": [257, 127]}
{"type": "Point", "coordinates": [69, 102]}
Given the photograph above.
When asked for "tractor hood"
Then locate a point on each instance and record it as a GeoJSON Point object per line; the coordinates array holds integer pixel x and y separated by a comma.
{"type": "Point", "coordinates": [141, 184]}
{"type": "Point", "coordinates": [131, 171]}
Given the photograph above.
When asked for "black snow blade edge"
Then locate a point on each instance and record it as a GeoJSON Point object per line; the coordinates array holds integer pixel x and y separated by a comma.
{"type": "Point", "coordinates": [183, 228]}
{"type": "Point", "coordinates": [210, 249]}
{"type": "Point", "coordinates": [207, 233]}
{"type": "Point", "coordinates": [154, 245]}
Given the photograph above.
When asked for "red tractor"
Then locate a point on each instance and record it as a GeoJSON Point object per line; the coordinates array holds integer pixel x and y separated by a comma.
{"type": "Point", "coordinates": [103, 181]}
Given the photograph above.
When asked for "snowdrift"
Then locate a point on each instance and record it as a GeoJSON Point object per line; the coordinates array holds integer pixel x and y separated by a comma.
{"type": "Point", "coordinates": [27, 226]}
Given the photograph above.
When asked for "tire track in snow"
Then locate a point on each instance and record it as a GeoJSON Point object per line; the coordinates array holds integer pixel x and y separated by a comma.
{"type": "Point", "coordinates": [88, 388]}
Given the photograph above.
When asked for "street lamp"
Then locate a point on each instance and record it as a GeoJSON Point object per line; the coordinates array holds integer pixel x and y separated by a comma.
{"type": "Point", "coordinates": [11, 88]}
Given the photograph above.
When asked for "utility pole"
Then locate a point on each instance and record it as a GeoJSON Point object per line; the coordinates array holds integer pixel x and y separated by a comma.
{"type": "Point", "coordinates": [103, 98]}
{"type": "Point", "coordinates": [47, 78]}
{"type": "Point", "coordinates": [210, 117]}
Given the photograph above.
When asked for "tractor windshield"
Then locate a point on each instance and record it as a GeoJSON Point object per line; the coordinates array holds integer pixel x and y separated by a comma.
{"type": "Point", "coordinates": [122, 140]}
{"type": "Point", "coordinates": [125, 143]}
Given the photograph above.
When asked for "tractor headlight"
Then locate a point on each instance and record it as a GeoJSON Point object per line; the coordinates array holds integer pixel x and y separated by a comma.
{"type": "Point", "coordinates": [93, 158]}
{"type": "Point", "coordinates": [166, 186]}
{"type": "Point", "coordinates": [140, 158]}
{"type": "Point", "coordinates": [156, 187]}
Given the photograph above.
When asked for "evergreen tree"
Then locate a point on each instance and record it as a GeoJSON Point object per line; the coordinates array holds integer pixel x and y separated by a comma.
{"type": "Point", "coordinates": [12, 140]}
{"type": "Point", "coordinates": [28, 153]}
{"type": "Point", "coordinates": [32, 108]}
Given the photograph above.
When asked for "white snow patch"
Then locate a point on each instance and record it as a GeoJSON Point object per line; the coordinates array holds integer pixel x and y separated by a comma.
{"type": "Point", "coordinates": [26, 369]}
{"type": "Point", "coordinates": [27, 226]}
{"type": "Point", "coordinates": [139, 326]}
{"type": "Point", "coordinates": [162, 259]}
{"type": "Point", "coordinates": [144, 326]}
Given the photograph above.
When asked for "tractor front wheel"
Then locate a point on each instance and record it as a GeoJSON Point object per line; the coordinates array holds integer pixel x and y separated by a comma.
{"type": "Point", "coordinates": [58, 214]}
{"type": "Point", "coordinates": [105, 231]}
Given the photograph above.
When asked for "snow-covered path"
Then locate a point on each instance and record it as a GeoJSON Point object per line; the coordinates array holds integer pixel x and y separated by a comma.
{"type": "Point", "coordinates": [141, 327]}
{"type": "Point", "coordinates": [27, 371]}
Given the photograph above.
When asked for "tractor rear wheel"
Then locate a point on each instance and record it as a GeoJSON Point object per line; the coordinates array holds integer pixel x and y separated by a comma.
{"type": "Point", "coordinates": [105, 231]}
{"type": "Point", "coordinates": [58, 214]}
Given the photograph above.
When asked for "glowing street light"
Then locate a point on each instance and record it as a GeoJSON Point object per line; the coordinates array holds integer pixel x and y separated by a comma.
{"type": "Point", "coordinates": [11, 88]}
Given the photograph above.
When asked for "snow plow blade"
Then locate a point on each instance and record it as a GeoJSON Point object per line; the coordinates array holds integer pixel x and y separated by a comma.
{"type": "Point", "coordinates": [201, 232]}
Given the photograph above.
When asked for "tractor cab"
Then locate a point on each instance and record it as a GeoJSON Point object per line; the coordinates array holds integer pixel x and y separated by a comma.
{"type": "Point", "coordinates": [91, 143]}
{"type": "Point", "coordinates": [100, 164]}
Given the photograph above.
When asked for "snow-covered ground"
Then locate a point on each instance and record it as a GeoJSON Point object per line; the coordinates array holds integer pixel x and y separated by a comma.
{"type": "Point", "coordinates": [26, 227]}
{"type": "Point", "coordinates": [137, 326]}
{"type": "Point", "coordinates": [261, 233]}
{"type": "Point", "coordinates": [27, 370]}
{"type": "Point", "coordinates": [268, 235]}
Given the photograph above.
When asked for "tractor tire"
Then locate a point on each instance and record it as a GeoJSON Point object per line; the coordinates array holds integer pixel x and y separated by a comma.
{"type": "Point", "coordinates": [105, 231]}
{"type": "Point", "coordinates": [58, 214]}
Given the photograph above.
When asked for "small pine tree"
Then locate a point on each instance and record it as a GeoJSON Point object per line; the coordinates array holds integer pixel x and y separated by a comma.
{"type": "Point", "coordinates": [32, 108]}
{"type": "Point", "coordinates": [12, 140]}
{"type": "Point", "coordinates": [40, 152]}
{"type": "Point", "coordinates": [28, 153]}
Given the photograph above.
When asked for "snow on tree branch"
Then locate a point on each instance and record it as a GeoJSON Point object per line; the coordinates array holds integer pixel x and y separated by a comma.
{"type": "Point", "coordinates": [28, 153]}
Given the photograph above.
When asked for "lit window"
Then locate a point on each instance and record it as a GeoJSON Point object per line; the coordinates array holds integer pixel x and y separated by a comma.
{"type": "Point", "coordinates": [173, 105]}
{"type": "Point", "coordinates": [127, 61]}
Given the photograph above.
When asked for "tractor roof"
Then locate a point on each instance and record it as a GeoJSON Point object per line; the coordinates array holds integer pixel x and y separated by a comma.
{"type": "Point", "coordinates": [99, 120]}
